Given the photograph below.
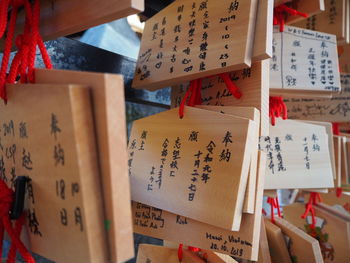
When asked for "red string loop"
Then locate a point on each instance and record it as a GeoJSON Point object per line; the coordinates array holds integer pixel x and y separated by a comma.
{"type": "Point", "coordinates": [193, 95]}
{"type": "Point", "coordinates": [6, 199]}
{"type": "Point", "coordinates": [280, 13]}
{"type": "Point", "coordinates": [24, 61]}
{"type": "Point", "coordinates": [313, 200]}
{"type": "Point", "coordinates": [277, 109]}
{"type": "Point", "coordinates": [274, 204]}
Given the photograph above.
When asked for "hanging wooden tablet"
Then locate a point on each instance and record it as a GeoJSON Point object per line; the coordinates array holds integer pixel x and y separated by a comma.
{"type": "Point", "coordinates": [303, 61]}
{"type": "Point", "coordinates": [344, 58]}
{"type": "Point", "coordinates": [277, 244]}
{"type": "Point", "coordinates": [47, 134]}
{"type": "Point", "coordinates": [207, 255]}
{"type": "Point", "coordinates": [193, 39]}
{"type": "Point", "coordinates": [251, 114]}
{"type": "Point", "coordinates": [301, 246]}
{"type": "Point", "coordinates": [154, 222]}
{"type": "Point", "coordinates": [186, 166]}
{"type": "Point", "coordinates": [331, 231]}
{"type": "Point", "coordinates": [335, 109]}
{"type": "Point", "coordinates": [252, 82]}
{"type": "Point", "coordinates": [157, 254]}
{"type": "Point", "coordinates": [59, 18]}
{"type": "Point", "coordinates": [264, 250]}
{"type": "Point", "coordinates": [331, 21]}
{"type": "Point", "coordinates": [107, 92]}
{"type": "Point", "coordinates": [262, 47]}
{"type": "Point", "coordinates": [298, 156]}
{"type": "Point", "coordinates": [310, 7]}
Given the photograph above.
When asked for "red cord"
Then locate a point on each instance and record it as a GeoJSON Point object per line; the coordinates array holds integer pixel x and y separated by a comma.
{"type": "Point", "coordinates": [339, 192]}
{"type": "Point", "coordinates": [336, 129]}
{"type": "Point", "coordinates": [6, 199]}
{"type": "Point", "coordinates": [24, 60]}
{"type": "Point", "coordinates": [313, 200]}
{"type": "Point", "coordinates": [279, 13]}
{"type": "Point", "coordinates": [180, 252]}
{"type": "Point", "coordinates": [194, 97]}
{"type": "Point", "coordinates": [277, 109]}
{"type": "Point", "coordinates": [274, 204]}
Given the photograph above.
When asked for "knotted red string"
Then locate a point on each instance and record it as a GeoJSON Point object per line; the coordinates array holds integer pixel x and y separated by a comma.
{"type": "Point", "coordinates": [6, 200]}
{"type": "Point", "coordinates": [193, 94]}
{"type": "Point", "coordinates": [26, 43]}
{"type": "Point", "coordinates": [274, 204]}
{"type": "Point", "coordinates": [280, 12]}
{"type": "Point", "coordinates": [277, 109]}
{"type": "Point", "coordinates": [309, 208]}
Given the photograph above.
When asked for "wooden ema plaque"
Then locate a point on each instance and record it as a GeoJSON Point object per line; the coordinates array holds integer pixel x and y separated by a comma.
{"type": "Point", "coordinates": [156, 254]}
{"type": "Point", "coordinates": [251, 114]}
{"type": "Point", "coordinates": [277, 244]}
{"type": "Point", "coordinates": [59, 18]}
{"type": "Point", "coordinates": [252, 82]}
{"type": "Point", "coordinates": [331, 21]}
{"type": "Point", "coordinates": [310, 7]}
{"type": "Point", "coordinates": [264, 250]}
{"type": "Point", "coordinates": [301, 246]}
{"type": "Point", "coordinates": [331, 230]}
{"type": "Point", "coordinates": [191, 39]}
{"type": "Point", "coordinates": [303, 61]}
{"type": "Point", "coordinates": [154, 222]}
{"type": "Point", "coordinates": [107, 92]}
{"type": "Point", "coordinates": [47, 134]}
{"type": "Point", "coordinates": [298, 156]}
{"type": "Point", "coordinates": [186, 166]}
{"type": "Point", "coordinates": [335, 109]}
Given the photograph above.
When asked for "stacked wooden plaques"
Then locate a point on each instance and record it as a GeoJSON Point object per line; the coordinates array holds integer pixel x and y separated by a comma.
{"type": "Point", "coordinates": [198, 180]}
{"type": "Point", "coordinates": [61, 141]}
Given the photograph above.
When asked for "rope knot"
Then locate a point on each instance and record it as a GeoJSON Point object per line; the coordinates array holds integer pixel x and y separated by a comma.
{"type": "Point", "coordinates": [280, 12]}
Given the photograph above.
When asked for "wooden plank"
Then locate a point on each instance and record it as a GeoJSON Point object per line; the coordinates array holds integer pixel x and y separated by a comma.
{"type": "Point", "coordinates": [157, 254]}
{"type": "Point", "coordinates": [262, 48]}
{"type": "Point", "coordinates": [277, 244]}
{"type": "Point", "coordinates": [301, 246]}
{"type": "Point", "coordinates": [336, 109]}
{"type": "Point", "coordinates": [310, 7]}
{"type": "Point", "coordinates": [280, 2]}
{"type": "Point", "coordinates": [59, 18]}
{"type": "Point", "coordinates": [344, 162]}
{"type": "Point", "coordinates": [252, 114]}
{"type": "Point", "coordinates": [337, 151]}
{"type": "Point", "coordinates": [295, 67]}
{"type": "Point", "coordinates": [161, 224]}
{"type": "Point", "coordinates": [191, 39]}
{"type": "Point", "coordinates": [107, 92]}
{"type": "Point", "coordinates": [264, 250]}
{"type": "Point", "coordinates": [331, 21]}
{"type": "Point", "coordinates": [205, 179]}
{"type": "Point", "coordinates": [333, 230]}
{"type": "Point", "coordinates": [252, 82]}
{"type": "Point", "coordinates": [49, 131]}
{"type": "Point", "coordinates": [298, 156]}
